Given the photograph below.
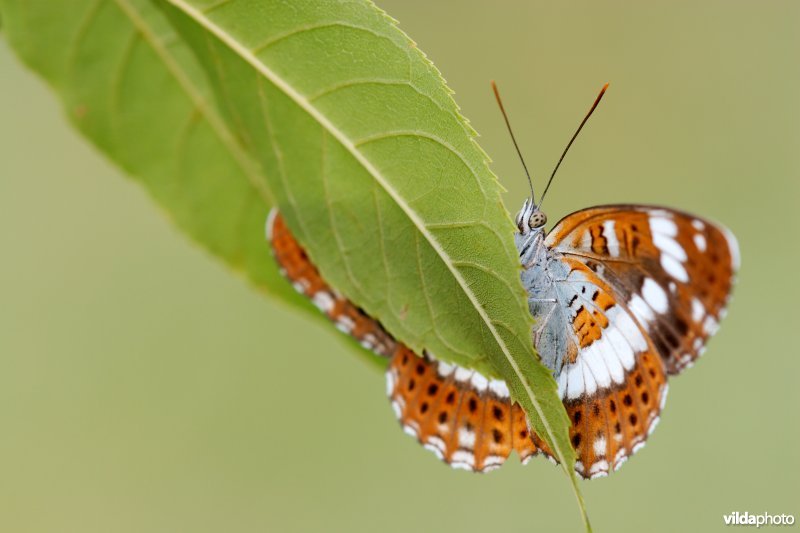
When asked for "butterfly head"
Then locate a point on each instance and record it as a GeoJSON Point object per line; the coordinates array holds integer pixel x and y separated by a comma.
{"type": "Point", "coordinates": [530, 218]}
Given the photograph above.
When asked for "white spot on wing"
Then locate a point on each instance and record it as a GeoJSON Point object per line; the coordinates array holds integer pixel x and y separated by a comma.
{"type": "Point", "coordinates": [499, 387]}
{"type": "Point", "coordinates": [438, 443]}
{"type": "Point", "coordinates": [655, 296]}
{"type": "Point", "coordinates": [595, 360]}
{"type": "Point", "coordinates": [611, 238]}
{"type": "Point", "coordinates": [323, 300]}
{"type": "Point", "coordinates": [700, 241]}
{"type": "Point", "coordinates": [697, 310]}
{"type": "Point", "coordinates": [479, 382]}
{"type": "Point", "coordinates": [641, 309]}
{"type": "Point", "coordinates": [270, 222]}
{"type": "Point", "coordinates": [621, 347]}
{"type": "Point", "coordinates": [345, 324]}
{"type": "Point", "coordinates": [628, 328]}
{"type": "Point", "coordinates": [600, 468]}
{"type": "Point", "coordinates": [436, 451]}
{"type": "Point", "coordinates": [621, 461]}
{"type": "Point", "coordinates": [710, 326]}
{"type": "Point", "coordinates": [492, 461]}
{"type": "Point", "coordinates": [668, 245]}
{"type": "Point", "coordinates": [462, 374]}
{"type": "Point", "coordinates": [620, 454]}
{"type": "Point", "coordinates": [674, 268]}
{"type": "Point", "coordinates": [463, 459]}
{"type": "Point", "coordinates": [562, 383]}
{"type": "Point", "coordinates": [586, 241]}
{"type": "Point", "coordinates": [466, 439]}
{"type": "Point", "coordinates": [589, 379]}
{"type": "Point", "coordinates": [575, 382]}
{"type": "Point", "coordinates": [663, 225]}
{"type": "Point", "coordinates": [600, 447]}
{"type": "Point", "coordinates": [369, 342]}
{"type": "Point", "coordinates": [445, 369]}
{"type": "Point", "coordinates": [698, 225]}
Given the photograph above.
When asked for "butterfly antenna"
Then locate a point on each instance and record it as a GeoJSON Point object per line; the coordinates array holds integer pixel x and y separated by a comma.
{"type": "Point", "coordinates": [589, 114]}
{"type": "Point", "coordinates": [513, 139]}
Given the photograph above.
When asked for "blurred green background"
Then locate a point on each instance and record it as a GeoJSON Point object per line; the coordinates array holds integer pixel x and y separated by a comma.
{"type": "Point", "coordinates": [145, 388]}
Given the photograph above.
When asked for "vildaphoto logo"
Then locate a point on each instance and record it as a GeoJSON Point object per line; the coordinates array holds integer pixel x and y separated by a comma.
{"type": "Point", "coordinates": [764, 519]}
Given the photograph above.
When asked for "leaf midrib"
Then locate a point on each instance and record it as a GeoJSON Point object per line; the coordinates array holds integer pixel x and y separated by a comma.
{"type": "Point", "coordinates": [323, 120]}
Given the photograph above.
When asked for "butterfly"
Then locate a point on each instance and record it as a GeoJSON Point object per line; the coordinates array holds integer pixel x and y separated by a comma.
{"type": "Point", "coordinates": [623, 296]}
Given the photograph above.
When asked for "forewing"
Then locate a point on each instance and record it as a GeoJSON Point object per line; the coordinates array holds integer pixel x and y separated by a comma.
{"type": "Point", "coordinates": [673, 271]}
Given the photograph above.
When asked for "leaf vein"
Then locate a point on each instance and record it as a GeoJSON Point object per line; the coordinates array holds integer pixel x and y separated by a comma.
{"type": "Point", "coordinates": [314, 27]}
{"type": "Point", "coordinates": [211, 7]}
{"type": "Point", "coordinates": [486, 270]}
{"type": "Point", "coordinates": [276, 149]}
{"type": "Point", "coordinates": [81, 33]}
{"type": "Point", "coordinates": [120, 71]}
{"type": "Point", "coordinates": [217, 124]}
{"type": "Point", "coordinates": [332, 221]}
{"type": "Point", "coordinates": [423, 135]}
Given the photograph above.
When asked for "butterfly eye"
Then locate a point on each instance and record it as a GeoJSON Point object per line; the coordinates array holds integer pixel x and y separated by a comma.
{"type": "Point", "coordinates": [537, 220]}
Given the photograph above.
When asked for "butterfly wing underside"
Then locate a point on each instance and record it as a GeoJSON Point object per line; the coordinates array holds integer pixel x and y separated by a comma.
{"type": "Point", "coordinates": [672, 271]}
{"type": "Point", "coordinates": [644, 289]}
{"type": "Point", "coordinates": [641, 291]}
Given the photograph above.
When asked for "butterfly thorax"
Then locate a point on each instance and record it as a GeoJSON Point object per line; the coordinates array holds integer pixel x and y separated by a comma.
{"type": "Point", "coordinates": [541, 276]}
{"type": "Point", "coordinates": [543, 272]}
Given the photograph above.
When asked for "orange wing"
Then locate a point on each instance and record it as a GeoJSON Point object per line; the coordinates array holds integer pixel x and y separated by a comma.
{"type": "Point", "coordinates": [470, 422]}
{"type": "Point", "coordinates": [673, 271]}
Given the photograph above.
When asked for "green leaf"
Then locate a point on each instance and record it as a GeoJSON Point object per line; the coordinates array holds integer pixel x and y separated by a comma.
{"type": "Point", "coordinates": [327, 110]}
{"type": "Point", "coordinates": [379, 176]}
{"type": "Point", "coordinates": [133, 88]}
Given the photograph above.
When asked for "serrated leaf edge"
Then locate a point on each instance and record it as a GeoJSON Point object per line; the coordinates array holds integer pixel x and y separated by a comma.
{"type": "Point", "coordinates": [200, 17]}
